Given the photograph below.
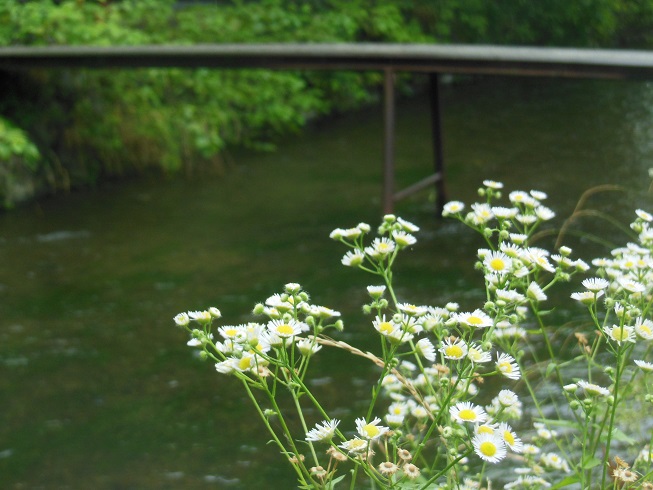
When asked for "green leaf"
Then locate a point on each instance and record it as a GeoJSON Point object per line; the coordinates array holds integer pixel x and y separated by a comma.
{"type": "Point", "coordinates": [619, 435]}
{"type": "Point", "coordinates": [591, 462]}
{"type": "Point", "coordinates": [550, 368]}
{"type": "Point", "coordinates": [570, 480]}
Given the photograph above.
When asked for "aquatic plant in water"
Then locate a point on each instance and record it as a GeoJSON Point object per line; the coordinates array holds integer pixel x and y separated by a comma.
{"type": "Point", "coordinates": [432, 420]}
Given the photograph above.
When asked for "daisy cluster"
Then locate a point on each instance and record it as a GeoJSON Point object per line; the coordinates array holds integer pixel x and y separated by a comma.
{"type": "Point", "coordinates": [292, 327]}
{"type": "Point", "coordinates": [447, 394]}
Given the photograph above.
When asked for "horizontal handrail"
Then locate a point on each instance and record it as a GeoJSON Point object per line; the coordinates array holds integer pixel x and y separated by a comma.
{"type": "Point", "coordinates": [471, 59]}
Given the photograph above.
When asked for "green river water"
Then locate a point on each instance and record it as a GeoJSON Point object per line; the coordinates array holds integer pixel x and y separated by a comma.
{"type": "Point", "coordinates": [98, 387]}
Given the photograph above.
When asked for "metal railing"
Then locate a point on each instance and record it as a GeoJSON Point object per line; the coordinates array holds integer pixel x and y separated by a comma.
{"type": "Point", "coordinates": [433, 60]}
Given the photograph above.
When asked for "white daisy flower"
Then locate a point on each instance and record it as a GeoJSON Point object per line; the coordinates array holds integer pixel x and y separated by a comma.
{"type": "Point", "coordinates": [509, 296]}
{"type": "Point", "coordinates": [182, 319]}
{"type": "Point", "coordinates": [489, 447]}
{"type": "Point", "coordinates": [376, 292]}
{"type": "Point", "coordinates": [336, 234]}
{"type": "Point", "coordinates": [631, 285]}
{"type": "Point", "coordinates": [518, 238]}
{"type": "Point", "coordinates": [644, 328]}
{"type": "Point", "coordinates": [491, 184]}
{"type": "Point", "coordinates": [508, 398]}
{"type": "Point", "coordinates": [510, 438]}
{"type": "Point", "coordinates": [620, 334]}
{"type": "Point", "coordinates": [552, 460]}
{"type": "Point", "coordinates": [236, 333]}
{"type": "Point", "coordinates": [286, 329]}
{"type": "Point", "coordinates": [477, 355]}
{"type": "Point", "coordinates": [353, 258]}
{"type": "Point", "coordinates": [539, 195]}
{"type": "Point", "coordinates": [595, 284]}
{"type": "Point", "coordinates": [412, 310]}
{"type": "Point", "coordinates": [586, 297]}
{"type": "Point", "coordinates": [398, 408]}
{"type": "Point", "coordinates": [502, 212]}
{"type": "Point", "coordinates": [593, 389]}
{"type": "Point", "coordinates": [452, 207]}
{"type": "Point", "coordinates": [323, 432]}
{"type": "Point", "coordinates": [507, 366]}
{"type": "Point", "coordinates": [355, 446]}
{"type": "Point", "coordinates": [481, 213]}
{"type": "Point", "coordinates": [380, 248]}
{"type": "Point", "coordinates": [521, 197]}
{"type": "Point", "coordinates": [526, 219]}
{"type": "Point", "coordinates": [455, 350]}
{"type": "Point", "coordinates": [403, 239]}
{"type": "Point", "coordinates": [425, 348]}
{"type": "Point", "coordinates": [308, 347]}
{"type": "Point", "coordinates": [497, 263]}
{"type": "Point", "coordinates": [385, 327]}
{"type": "Point", "coordinates": [370, 430]}
{"type": "Point", "coordinates": [645, 365]}
{"type": "Point", "coordinates": [544, 213]}
{"type": "Point", "coordinates": [395, 420]}
{"type": "Point", "coordinates": [468, 412]}
{"type": "Point", "coordinates": [644, 215]}
{"type": "Point", "coordinates": [407, 225]}
{"type": "Point", "coordinates": [539, 258]}
{"type": "Point", "coordinates": [200, 316]}
{"type": "Point", "coordinates": [477, 319]}
{"type": "Point", "coordinates": [535, 292]}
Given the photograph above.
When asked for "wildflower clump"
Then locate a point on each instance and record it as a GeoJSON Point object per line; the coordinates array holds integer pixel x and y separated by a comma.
{"type": "Point", "coordinates": [457, 388]}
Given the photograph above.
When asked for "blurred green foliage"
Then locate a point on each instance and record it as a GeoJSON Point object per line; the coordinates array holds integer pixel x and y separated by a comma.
{"type": "Point", "coordinates": [90, 124]}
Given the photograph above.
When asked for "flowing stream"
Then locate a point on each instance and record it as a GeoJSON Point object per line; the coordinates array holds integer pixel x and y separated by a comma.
{"type": "Point", "coordinates": [99, 389]}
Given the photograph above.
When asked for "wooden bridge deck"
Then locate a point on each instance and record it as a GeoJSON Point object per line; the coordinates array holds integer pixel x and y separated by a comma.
{"type": "Point", "coordinates": [389, 58]}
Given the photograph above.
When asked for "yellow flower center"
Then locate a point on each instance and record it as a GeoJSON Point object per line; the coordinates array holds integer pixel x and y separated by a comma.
{"type": "Point", "coordinates": [245, 363]}
{"type": "Point", "coordinates": [371, 430]}
{"type": "Point", "coordinates": [645, 329]}
{"type": "Point", "coordinates": [284, 329]}
{"type": "Point", "coordinates": [231, 332]}
{"type": "Point", "coordinates": [357, 444]}
{"type": "Point", "coordinates": [619, 333]}
{"type": "Point", "coordinates": [467, 414]}
{"type": "Point", "coordinates": [488, 448]}
{"type": "Point", "coordinates": [505, 367]}
{"type": "Point", "coordinates": [474, 320]}
{"type": "Point", "coordinates": [485, 429]}
{"type": "Point", "coordinates": [507, 436]}
{"type": "Point", "coordinates": [453, 351]}
{"type": "Point", "coordinates": [386, 327]}
{"type": "Point", "coordinates": [497, 264]}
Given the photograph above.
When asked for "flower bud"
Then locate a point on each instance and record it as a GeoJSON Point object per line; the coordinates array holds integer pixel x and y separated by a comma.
{"type": "Point", "coordinates": [292, 288]}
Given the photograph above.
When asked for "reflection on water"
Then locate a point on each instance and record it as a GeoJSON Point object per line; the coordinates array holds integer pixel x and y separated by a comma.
{"type": "Point", "coordinates": [100, 390]}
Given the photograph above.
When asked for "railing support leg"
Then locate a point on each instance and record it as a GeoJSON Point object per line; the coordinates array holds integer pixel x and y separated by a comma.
{"type": "Point", "coordinates": [436, 131]}
{"type": "Point", "coordinates": [389, 141]}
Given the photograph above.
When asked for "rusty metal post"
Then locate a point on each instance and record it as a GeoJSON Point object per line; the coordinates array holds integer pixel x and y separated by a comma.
{"type": "Point", "coordinates": [436, 131]}
{"type": "Point", "coordinates": [389, 140]}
